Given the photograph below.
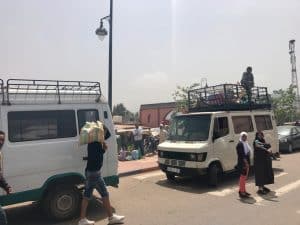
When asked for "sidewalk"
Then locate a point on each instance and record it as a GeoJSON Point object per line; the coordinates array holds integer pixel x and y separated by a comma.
{"type": "Point", "coordinates": [127, 168]}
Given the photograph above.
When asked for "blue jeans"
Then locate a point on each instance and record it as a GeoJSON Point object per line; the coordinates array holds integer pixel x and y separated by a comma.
{"type": "Point", "coordinates": [3, 220]}
{"type": "Point", "coordinates": [94, 180]}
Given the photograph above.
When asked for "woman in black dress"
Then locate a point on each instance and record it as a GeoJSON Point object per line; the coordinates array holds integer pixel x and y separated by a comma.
{"type": "Point", "coordinates": [262, 164]}
{"type": "Point", "coordinates": [243, 152]}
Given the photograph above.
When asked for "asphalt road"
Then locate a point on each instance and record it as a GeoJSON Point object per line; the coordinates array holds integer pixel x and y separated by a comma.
{"type": "Point", "coordinates": [149, 199]}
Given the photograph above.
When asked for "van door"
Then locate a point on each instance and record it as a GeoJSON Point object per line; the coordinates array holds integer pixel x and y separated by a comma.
{"type": "Point", "coordinates": [223, 143]}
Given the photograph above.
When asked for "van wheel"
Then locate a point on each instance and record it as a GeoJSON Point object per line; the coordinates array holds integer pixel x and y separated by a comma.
{"type": "Point", "coordinates": [170, 177]}
{"type": "Point", "coordinates": [213, 174]}
{"type": "Point", "coordinates": [62, 202]}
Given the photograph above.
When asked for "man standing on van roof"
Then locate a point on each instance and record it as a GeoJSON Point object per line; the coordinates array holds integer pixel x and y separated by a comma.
{"type": "Point", "coordinates": [248, 82]}
{"type": "Point", "coordinates": [3, 183]}
{"type": "Point", "coordinates": [94, 180]}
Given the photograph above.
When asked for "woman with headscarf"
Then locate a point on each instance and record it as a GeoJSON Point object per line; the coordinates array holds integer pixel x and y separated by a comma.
{"type": "Point", "coordinates": [262, 164]}
{"type": "Point", "coordinates": [243, 152]}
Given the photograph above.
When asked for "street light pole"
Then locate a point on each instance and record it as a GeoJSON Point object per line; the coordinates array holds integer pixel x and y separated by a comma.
{"type": "Point", "coordinates": [101, 33]}
{"type": "Point", "coordinates": [110, 56]}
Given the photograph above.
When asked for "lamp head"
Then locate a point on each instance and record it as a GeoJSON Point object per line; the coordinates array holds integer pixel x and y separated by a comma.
{"type": "Point", "coordinates": [101, 32]}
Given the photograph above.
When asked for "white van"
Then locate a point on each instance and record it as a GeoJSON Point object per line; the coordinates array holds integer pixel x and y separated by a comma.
{"type": "Point", "coordinates": [205, 142]}
{"type": "Point", "coordinates": [42, 159]}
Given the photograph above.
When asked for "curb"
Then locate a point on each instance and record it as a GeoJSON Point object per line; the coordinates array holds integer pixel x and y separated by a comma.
{"type": "Point", "coordinates": [134, 172]}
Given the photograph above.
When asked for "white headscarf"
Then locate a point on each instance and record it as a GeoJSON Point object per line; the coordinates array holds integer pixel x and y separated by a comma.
{"type": "Point", "coordinates": [247, 147]}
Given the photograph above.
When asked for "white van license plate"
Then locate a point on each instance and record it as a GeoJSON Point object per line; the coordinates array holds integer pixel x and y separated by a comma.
{"type": "Point", "coordinates": [174, 170]}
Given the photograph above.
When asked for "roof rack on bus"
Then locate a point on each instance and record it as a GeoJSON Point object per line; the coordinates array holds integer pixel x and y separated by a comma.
{"type": "Point", "coordinates": [26, 91]}
{"type": "Point", "coordinates": [227, 97]}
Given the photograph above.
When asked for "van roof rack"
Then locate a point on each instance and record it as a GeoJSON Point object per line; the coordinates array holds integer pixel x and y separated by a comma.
{"type": "Point", "coordinates": [25, 91]}
{"type": "Point", "coordinates": [227, 97]}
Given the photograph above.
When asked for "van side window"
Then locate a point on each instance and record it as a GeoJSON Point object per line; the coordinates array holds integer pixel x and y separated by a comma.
{"type": "Point", "coordinates": [40, 125]}
{"type": "Point", "coordinates": [221, 127]}
{"type": "Point", "coordinates": [87, 115]}
{"type": "Point", "coordinates": [263, 122]}
{"type": "Point", "coordinates": [242, 123]}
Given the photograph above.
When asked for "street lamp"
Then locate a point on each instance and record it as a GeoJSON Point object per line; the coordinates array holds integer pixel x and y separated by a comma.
{"type": "Point", "coordinates": [101, 32]}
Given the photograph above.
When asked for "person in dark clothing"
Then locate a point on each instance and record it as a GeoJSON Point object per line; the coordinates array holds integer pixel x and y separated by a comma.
{"type": "Point", "coordinates": [248, 82]}
{"type": "Point", "coordinates": [94, 180]}
{"type": "Point", "coordinates": [243, 152]}
{"type": "Point", "coordinates": [3, 184]}
{"type": "Point", "coordinates": [262, 164]}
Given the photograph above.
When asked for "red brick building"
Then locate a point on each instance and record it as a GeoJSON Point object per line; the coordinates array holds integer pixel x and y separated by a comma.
{"type": "Point", "coordinates": [151, 115]}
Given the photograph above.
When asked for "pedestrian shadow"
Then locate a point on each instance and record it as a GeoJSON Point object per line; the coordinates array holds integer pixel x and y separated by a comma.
{"type": "Point", "coordinates": [249, 200]}
{"type": "Point", "coordinates": [271, 196]}
{"type": "Point", "coordinates": [31, 214]}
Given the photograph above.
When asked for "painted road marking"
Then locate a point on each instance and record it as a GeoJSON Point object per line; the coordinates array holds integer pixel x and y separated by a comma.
{"type": "Point", "coordinates": [228, 191]}
{"type": "Point", "coordinates": [149, 175]}
{"type": "Point", "coordinates": [287, 188]}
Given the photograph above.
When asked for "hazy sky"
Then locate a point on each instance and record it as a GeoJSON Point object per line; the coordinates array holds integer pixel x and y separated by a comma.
{"type": "Point", "coordinates": [157, 44]}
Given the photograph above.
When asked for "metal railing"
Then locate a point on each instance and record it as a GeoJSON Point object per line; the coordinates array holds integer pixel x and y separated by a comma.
{"type": "Point", "coordinates": [228, 97]}
{"type": "Point", "coordinates": [43, 91]}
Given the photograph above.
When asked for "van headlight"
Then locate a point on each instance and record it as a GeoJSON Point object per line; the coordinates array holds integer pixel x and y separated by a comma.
{"type": "Point", "coordinates": [201, 157]}
{"type": "Point", "coordinates": [193, 157]}
{"type": "Point", "coordinates": [161, 154]}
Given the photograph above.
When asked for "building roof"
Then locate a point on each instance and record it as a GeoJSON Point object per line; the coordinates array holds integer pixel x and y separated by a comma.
{"type": "Point", "coordinates": [158, 105]}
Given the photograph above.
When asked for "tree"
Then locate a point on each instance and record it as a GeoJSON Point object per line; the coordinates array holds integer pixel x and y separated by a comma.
{"type": "Point", "coordinates": [283, 102]}
{"type": "Point", "coordinates": [180, 96]}
{"type": "Point", "coordinates": [121, 110]}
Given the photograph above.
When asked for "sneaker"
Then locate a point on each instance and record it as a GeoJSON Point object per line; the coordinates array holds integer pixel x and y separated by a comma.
{"type": "Point", "coordinates": [115, 219]}
{"type": "Point", "coordinates": [85, 221]}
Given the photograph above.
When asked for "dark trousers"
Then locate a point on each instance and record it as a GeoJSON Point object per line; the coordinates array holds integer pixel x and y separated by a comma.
{"type": "Point", "coordinates": [139, 145]}
{"type": "Point", "coordinates": [3, 220]}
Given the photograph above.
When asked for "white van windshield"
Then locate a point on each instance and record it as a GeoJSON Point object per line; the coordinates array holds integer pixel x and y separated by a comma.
{"type": "Point", "coordinates": [190, 128]}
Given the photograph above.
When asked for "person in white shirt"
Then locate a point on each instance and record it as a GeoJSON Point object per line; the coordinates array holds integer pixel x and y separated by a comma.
{"type": "Point", "coordinates": [138, 139]}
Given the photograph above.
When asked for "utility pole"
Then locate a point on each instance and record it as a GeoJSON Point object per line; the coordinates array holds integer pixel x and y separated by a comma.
{"type": "Point", "coordinates": [294, 72]}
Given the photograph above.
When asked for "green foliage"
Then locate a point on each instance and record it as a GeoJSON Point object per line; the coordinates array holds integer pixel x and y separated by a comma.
{"type": "Point", "coordinates": [180, 95]}
{"type": "Point", "coordinates": [121, 110]}
{"type": "Point", "coordinates": [283, 102]}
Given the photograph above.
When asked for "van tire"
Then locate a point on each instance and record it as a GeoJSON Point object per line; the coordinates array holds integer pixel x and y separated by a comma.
{"type": "Point", "coordinates": [170, 177]}
{"type": "Point", "coordinates": [62, 202]}
{"type": "Point", "coordinates": [213, 174]}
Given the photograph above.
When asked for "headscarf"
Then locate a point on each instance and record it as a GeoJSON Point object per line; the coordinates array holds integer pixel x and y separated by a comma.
{"type": "Point", "coordinates": [246, 145]}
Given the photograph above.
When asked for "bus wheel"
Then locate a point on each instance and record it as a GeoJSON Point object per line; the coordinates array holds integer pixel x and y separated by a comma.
{"type": "Point", "coordinates": [213, 174]}
{"type": "Point", "coordinates": [62, 202]}
{"type": "Point", "coordinates": [170, 177]}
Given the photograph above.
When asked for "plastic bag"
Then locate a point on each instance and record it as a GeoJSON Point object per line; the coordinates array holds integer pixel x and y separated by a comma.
{"type": "Point", "coordinates": [91, 132]}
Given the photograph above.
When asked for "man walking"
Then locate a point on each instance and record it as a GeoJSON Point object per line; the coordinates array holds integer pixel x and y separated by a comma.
{"type": "Point", "coordinates": [248, 82]}
{"type": "Point", "coordinates": [3, 183]}
{"type": "Point", "coordinates": [94, 180]}
{"type": "Point", "coordinates": [138, 139]}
